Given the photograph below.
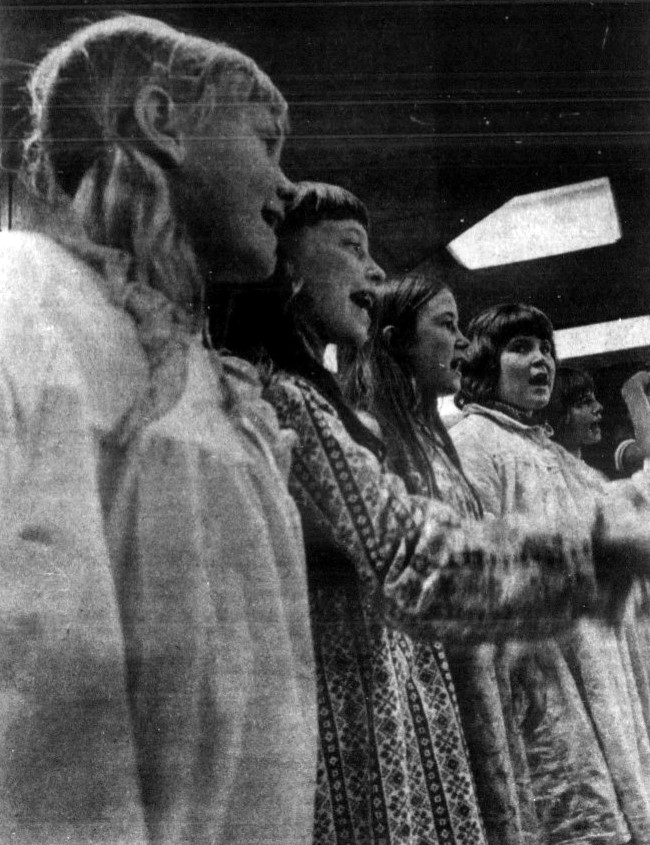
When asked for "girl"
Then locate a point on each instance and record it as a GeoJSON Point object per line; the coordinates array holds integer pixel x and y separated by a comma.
{"type": "Point", "coordinates": [156, 670]}
{"type": "Point", "coordinates": [382, 564]}
{"type": "Point", "coordinates": [589, 755]}
{"type": "Point", "coordinates": [413, 359]}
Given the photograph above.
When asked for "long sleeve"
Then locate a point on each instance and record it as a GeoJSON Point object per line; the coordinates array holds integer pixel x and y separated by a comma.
{"type": "Point", "coordinates": [431, 571]}
{"type": "Point", "coordinates": [67, 753]}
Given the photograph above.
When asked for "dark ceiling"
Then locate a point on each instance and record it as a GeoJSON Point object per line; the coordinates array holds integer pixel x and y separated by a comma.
{"type": "Point", "coordinates": [437, 112]}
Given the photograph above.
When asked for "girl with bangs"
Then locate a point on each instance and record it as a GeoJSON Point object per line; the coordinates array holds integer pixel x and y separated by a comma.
{"type": "Point", "coordinates": [574, 413]}
{"type": "Point", "coordinates": [156, 683]}
{"type": "Point", "coordinates": [588, 750]}
{"type": "Point", "coordinates": [392, 575]}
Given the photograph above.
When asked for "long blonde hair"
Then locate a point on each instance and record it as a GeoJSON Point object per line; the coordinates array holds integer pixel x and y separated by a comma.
{"type": "Point", "coordinates": [84, 144]}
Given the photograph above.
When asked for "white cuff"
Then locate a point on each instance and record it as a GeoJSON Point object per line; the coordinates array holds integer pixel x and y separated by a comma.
{"type": "Point", "coordinates": [618, 454]}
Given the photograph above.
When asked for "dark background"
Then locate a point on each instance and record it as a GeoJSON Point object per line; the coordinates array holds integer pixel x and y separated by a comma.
{"type": "Point", "coordinates": [435, 113]}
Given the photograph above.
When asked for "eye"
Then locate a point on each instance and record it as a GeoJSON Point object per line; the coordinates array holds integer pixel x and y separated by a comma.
{"type": "Point", "coordinates": [546, 348]}
{"type": "Point", "coordinates": [355, 246]}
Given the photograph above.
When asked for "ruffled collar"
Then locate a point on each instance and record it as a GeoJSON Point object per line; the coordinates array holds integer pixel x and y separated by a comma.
{"type": "Point", "coordinates": [511, 417]}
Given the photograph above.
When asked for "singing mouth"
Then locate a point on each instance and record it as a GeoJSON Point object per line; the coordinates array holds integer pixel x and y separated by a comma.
{"type": "Point", "coordinates": [363, 299]}
{"type": "Point", "coordinates": [272, 218]}
{"type": "Point", "coordinates": [540, 380]}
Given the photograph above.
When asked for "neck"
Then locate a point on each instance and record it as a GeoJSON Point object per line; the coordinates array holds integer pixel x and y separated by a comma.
{"type": "Point", "coordinates": [527, 416]}
{"type": "Point", "coordinates": [572, 449]}
{"type": "Point", "coordinates": [313, 343]}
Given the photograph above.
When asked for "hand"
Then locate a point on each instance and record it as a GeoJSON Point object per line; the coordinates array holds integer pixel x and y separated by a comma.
{"type": "Point", "coordinates": [635, 393]}
{"type": "Point", "coordinates": [638, 383]}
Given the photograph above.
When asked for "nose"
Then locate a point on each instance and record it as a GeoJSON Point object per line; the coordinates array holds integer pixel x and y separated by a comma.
{"type": "Point", "coordinates": [461, 341]}
{"type": "Point", "coordinates": [375, 273]}
{"type": "Point", "coordinates": [540, 357]}
{"type": "Point", "coordinates": [596, 407]}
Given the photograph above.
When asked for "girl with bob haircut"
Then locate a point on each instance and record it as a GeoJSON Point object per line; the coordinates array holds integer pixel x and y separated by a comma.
{"type": "Point", "coordinates": [491, 331]}
{"type": "Point", "coordinates": [157, 675]}
{"type": "Point", "coordinates": [574, 413]}
{"type": "Point", "coordinates": [389, 573]}
{"type": "Point", "coordinates": [589, 768]}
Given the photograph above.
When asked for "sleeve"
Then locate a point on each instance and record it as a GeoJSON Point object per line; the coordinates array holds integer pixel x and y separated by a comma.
{"type": "Point", "coordinates": [430, 571]}
{"type": "Point", "coordinates": [67, 759]}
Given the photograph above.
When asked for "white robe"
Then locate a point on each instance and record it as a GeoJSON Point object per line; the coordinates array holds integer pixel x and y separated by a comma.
{"type": "Point", "coordinates": [156, 680]}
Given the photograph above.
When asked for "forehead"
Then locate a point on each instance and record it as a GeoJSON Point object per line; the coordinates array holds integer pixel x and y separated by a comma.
{"type": "Point", "coordinates": [527, 338]}
{"type": "Point", "coordinates": [326, 231]}
{"type": "Point", "coordinates": [443, 302]}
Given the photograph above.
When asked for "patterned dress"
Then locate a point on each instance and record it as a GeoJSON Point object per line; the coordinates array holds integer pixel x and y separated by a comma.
{"type": "Point", "coordinates": [393, 765]}
{"type": "Point", "coordinates": [496, 748]}
{"type": "Point", "coordinates": [589, 758]}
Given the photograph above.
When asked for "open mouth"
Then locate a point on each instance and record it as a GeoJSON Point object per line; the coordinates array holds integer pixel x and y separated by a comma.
{"type": "Point", "coordinates": [539, 380]}
{"type": "Point", "coordinates": [363, 299]}
{"type": "Point", "coordinates": [456, 364]}
{"type": "Point", "coordinates": [272, 218]}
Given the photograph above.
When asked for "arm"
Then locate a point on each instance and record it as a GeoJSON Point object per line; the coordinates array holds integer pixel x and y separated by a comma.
{"type": "Point", "coordinates": [430, 571]}
{"type": "Point", "coordinates": [67, 760]}
{"type": "Point", "coordinates": [635, 395]}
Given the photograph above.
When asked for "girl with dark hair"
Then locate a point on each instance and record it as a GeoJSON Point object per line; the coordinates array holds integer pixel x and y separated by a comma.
{"type": "Point", "coordinates": [414, 357]}
{"type": "Point", "coordinates": [383, 565]}
{"type": "Point", "coordinates": [156, 681]}
{"type": "Point", "coordinates": [573, 412]}
{"type": "Point", "coordinates": [412, 360]}
{"type": "Point", "coordinates": [589, 756]}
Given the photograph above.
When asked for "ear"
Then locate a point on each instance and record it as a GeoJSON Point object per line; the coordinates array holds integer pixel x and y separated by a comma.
{"type": "Point", "coordinates": [157, 119]}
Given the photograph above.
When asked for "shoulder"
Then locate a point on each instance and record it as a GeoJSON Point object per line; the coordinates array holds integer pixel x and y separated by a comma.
{"type": "Point", "coordinates": [39, 274]}
{"type": "Point", "coordinates": [294, 395]}
{"type": "Point", "coordinates": [35, 257]}
{"type": "Point", "coordinates": [475, 427]}
{"type": "Point", "coordinates": [57, 324]}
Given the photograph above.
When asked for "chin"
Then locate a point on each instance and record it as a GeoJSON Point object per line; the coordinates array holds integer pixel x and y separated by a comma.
{"type": "Point", "coordinates": [356, 338]}
{"type": "Point", "coordinates": [262, 267]}
{"type": "Point", "coordinates": [448, 388]}
{"type": "Point", "coordinates": [537, 403]}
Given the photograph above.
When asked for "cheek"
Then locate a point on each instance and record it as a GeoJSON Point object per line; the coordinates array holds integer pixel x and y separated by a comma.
{"type": "Point", "coordinates": [324, 296]}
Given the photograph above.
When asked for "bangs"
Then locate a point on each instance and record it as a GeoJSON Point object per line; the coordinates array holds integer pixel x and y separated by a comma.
{"type": "Point", "coordinates": [573, 386]}
{"type": "Point", "coordinates": [317, 201]}
{"type": "Point", "coordinates": [515, 320]}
